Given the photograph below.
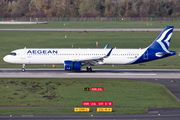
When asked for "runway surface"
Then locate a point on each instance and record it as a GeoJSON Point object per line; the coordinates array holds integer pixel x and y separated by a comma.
{"type": "Point", "coordinates": [86, 29]}
{"type": "Point", "coordinates": [169, 78]}
{"type": "Point", "coordinates": [155, 114]}
{"type": "Point", "coordinates": [96, 73]}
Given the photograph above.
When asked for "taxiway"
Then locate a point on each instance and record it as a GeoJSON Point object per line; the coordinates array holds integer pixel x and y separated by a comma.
{"type": "Point", "coordinates": [96, 73]}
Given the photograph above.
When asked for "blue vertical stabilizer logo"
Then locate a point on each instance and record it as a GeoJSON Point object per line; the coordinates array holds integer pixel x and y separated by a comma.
{"type": "Point", "coordinates": [164, 40]}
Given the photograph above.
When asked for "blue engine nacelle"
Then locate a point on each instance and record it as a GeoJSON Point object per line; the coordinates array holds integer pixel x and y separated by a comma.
{"type": "Point", "coordinates": [72, 65]}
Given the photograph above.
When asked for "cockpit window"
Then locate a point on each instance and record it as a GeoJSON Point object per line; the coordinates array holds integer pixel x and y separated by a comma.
{"type": "Point", "coordinates": [13, 53]}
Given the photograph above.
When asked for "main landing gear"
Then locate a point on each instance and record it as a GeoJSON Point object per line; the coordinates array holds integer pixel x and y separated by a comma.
{"type": "Point", "coordinates": [89, 69]}
{"type": "Point", "coordinates": [23, 68]}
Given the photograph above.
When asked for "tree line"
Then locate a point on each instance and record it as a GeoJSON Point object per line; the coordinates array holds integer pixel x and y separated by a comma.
{"type": "Point", "coordinates": [89, 8]}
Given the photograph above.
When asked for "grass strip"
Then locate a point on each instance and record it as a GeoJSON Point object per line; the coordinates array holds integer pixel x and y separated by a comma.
{"type": "Point", "coordinates": [62, 111]}
{"type": "Point", "coordinates": [70, 93]}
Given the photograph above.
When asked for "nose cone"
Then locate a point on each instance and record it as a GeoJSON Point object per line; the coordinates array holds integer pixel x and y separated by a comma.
{"type": "Point", "coordinates": [7, 59]}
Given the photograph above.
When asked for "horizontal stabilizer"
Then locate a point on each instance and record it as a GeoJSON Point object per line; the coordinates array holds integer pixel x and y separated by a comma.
{"type": "Point", "coordinates": [160, 54]}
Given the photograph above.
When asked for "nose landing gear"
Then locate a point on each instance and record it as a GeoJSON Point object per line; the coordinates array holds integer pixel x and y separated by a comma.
{"type": "Point", "coordinates": [23, 68]}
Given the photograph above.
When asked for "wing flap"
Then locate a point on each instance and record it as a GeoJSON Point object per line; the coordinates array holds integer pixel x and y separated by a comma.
{"type": "Point", "coordinates": [89, 59]}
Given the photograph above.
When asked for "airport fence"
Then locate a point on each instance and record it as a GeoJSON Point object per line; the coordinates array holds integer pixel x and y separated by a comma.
{"type": "Point", "coordinates": [51, 19]}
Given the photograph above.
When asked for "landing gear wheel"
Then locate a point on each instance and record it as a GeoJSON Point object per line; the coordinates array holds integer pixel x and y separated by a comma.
{"type": "Point", "coordinates": [89, 69]}
{"type": "Point", "coordinates": [23, 69]}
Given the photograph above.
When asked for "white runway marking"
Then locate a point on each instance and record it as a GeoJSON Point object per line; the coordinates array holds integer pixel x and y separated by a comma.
{"type": "Point", "coordinates": [108, 74]}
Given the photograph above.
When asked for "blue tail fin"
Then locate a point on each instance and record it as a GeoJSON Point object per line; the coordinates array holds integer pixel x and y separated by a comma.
{"type": "Point", "coordinates": [162, 42]}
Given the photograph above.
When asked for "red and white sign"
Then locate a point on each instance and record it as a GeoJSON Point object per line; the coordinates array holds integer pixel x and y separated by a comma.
{"type": "Point", "coordinates": [99, 103]}
{"type": "Point", "coordinates": [105, 103]}
{"type": "Point", "coordinates": [92, 103]}
{"type": "Point", "coordinates": [97, 88]}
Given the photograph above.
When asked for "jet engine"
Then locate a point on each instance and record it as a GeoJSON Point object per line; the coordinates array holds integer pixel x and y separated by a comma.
{"type": "Point", "coordinates": [72, 65]}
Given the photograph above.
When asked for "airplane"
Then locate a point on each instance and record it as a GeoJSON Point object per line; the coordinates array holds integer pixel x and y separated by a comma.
{"type": "Point", "coordinates": [74, 59]}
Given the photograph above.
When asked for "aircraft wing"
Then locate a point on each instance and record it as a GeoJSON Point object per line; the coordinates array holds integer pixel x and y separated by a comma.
{"type": "Point", "coordinates": [94, 60]}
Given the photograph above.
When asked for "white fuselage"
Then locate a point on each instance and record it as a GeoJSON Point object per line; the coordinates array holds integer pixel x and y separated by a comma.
{"type": "Point", "coordinates": [58, 56]}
